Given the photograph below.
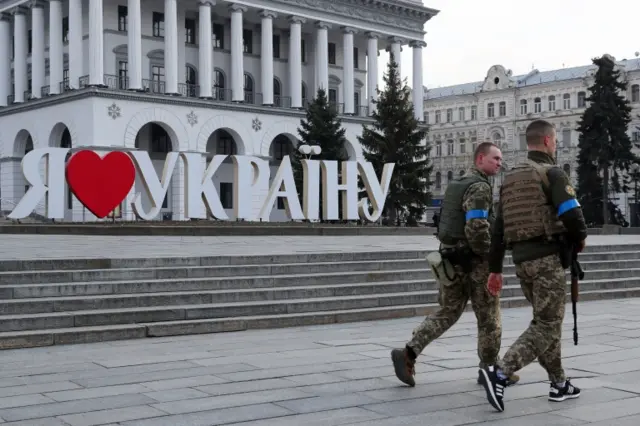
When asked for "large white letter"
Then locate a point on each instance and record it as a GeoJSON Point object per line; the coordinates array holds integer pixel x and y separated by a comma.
{"type": "Point", "coordinates": [377, 191]}
{"type": "Point", "coordinates": [156, 189]}
{"type": "Point", "coordinates": [348, 186]}
{"type": "Point", "coordinates": [284, 178]}
{"type": "Point", "coordinates": [199, 187]}
{"type": "Point", "coordinates": [251, 179]}
{"type": "Point", "coordinates": [311, 190]}
{"type": "Point", "coordinates": [52, 188]}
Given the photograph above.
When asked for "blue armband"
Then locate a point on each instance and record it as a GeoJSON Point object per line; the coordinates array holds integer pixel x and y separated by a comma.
{"type": "Point", "coordinates": [476, 214]}
{"type": "Point", "coordinates": [567, 205]}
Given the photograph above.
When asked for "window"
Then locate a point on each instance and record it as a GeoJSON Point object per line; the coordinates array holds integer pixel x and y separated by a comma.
{"type": "Point", "coordinates": [333, 96]}
{"type": "Point", "coordinates": [552, 103]}
{"type": "Point", "coordinates": [490, 110]}
{"type": "Point", "coordinates": [426, 117]}
{"type": "Point", "coordinates": [356, 103]}
{"type": "Point", "coordinates": [567, 170]}
{"type": "Point", "coordinates": [503, 109]}
{"type": "Point", "coordinates": [332, 53]}
{"type": "Point", "coordinates": [158, 24]}
{"type": "Point", "coordinates": [582, 99]}
{"type": "Point", "coordinates": [635, 93]}
{"type": "Point", "coordinates": [225, 145]}
{"type": "Point", "coordinates": [123, 74]}
{"type": "Point", "coordinates": [474, 112]}
{"type": "Point", "coordinates": [218, 85]}
{"type": "Point", "coordinates": [280, 203]}
{"type": "Point", "coordinates": [65, 29]}
{"type": "Point", "coordinates": [248, 88]}
{"type": "Point", "coordinates": [635, 137]}
{"type": "Point", "coordinates": [157, 79]}
{"type": "Point", "coordinates": [450, 147]}
{"type": "Point", "coordinates": [474, 144]}
{"type": "Point", "coordinates": [449, 115]}
{"type": "Point", "coordinates": [523, 106]}
{"type": "Point", "coordinates": [463, 146]}
{"type": "Point", "coordinates": [247, 41]}
{"type": "Point", "coordinates": [277, 92]}
{"type": "Point", "coordinates": [462, 172]}
{"type": "Point", "coordinates": [303, 51]}
{"type": "Point", "coordinates": [566, 138]}
{"type": "Point", "coordinates": [497, 139]}
{"type": "Point", "coordinates": [218, 36]}
{"type": "Point", "coordinates": [190, 31]}
{"type": "Point", "coordinates": [123, 15]}
{"type": "Point", "coordinates": [438, 148]}
{"type": "Point", "coordinates": [437, 116]}
{"type": "Point", "coordinates": [276, 46]}
{"type": "Point", "coordinates": [438, 180]}
{"type": "Point", "coordinates": [523, 141]}
{"type": "Point", "coordinates": [355, 57]}
{"type": "Point", "coordinates": [281, 148]}
{"type": "Point", "coordinates": [304, 94]}
{"type": "Point", "coordinates": [566, 101]}
{"type": "Point", "coordinates": [461, 113]}
{"type": "Point", "coordinates": [190, 81]}
{"type": "Point", "coordinates": [226, 195]}
{"type": "Point", "coordinates": [537, 105]}
{"type": "Point", "coordinates": [449, 176]}
{"type": "Point", "coordinates": [160, 141]}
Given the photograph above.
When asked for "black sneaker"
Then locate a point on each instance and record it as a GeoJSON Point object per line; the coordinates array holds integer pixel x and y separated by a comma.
{"type": "Point", "coordinates": [558, 394]}
{"type": "Point", "coordinates": [512, 380]}
{"type": "Point", "coordinates": [404, 366]}
{"type": "Point", "coordinates": [494, 387]}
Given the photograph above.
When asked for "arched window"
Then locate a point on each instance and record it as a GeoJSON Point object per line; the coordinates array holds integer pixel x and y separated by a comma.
{"type": "Point", "coordinates": [438, 180]}
{"type": "Point", "coordinates": [537, 105]}
{"type": "Point", "coordinates": [449, 176]}
{"type": "Point", "coordinates": [567, 169]}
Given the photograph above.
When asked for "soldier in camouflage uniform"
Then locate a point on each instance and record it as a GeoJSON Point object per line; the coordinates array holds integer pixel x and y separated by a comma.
{"type": "Point", "coordinates": [464, 226]}
{"type": "Point", "coordinates": [540, 221]}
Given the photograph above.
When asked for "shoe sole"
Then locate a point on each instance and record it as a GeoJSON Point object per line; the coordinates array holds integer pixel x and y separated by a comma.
{"type": "Point", "coordinates": [564, 398]}
{"type": "Point", "coordinates": [491, 395]}
{"type": "Point", "coordinates": [397, 357]}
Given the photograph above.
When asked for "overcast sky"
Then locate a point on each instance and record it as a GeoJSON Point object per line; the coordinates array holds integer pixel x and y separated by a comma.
{"type": "Point", "coordinates": [467, 37]}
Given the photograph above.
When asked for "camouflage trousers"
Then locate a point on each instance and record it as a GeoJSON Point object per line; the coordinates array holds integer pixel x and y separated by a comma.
{"type": "Point", "coordinates": [543, 283]}
{"type": "Point", "coordinates": [453, 300]}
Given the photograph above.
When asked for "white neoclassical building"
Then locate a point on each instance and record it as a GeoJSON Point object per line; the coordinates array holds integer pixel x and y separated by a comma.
{"type": "Point", "coordinates": [500, 107]}
{"type": "Point", "coordinates": [212, 76]}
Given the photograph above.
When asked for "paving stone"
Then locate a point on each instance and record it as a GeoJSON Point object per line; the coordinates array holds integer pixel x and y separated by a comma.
{"type": "Point", "coordinates": [114, 415]}
{"type": "Point", "coordinates": [175, 394]}
{"type": "Point", "coordinates": [342, 416]}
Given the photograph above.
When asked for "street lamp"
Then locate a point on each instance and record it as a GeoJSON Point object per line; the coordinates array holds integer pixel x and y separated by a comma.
{"type": "Point", "coordinates": [309, 150]}
{"type": "Point", "coordinates": [635, 175]}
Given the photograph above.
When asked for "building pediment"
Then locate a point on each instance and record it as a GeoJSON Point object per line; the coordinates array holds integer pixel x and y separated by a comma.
{"type": "Point", "coordinates": [498, 78]}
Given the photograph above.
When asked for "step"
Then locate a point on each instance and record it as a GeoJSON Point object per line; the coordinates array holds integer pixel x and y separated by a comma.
{"type": "Point", "coordinates": [77, 263]}
{"type": "Point", "coordinates": [83, 275]}
{"type": "Point", "coordinates": [39, 338]}
{"type": "Point", "coordinates": [286, 302]}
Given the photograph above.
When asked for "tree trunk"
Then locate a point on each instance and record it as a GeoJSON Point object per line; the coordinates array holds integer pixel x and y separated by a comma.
{"type": "Point", "coordinates": [605, 195]}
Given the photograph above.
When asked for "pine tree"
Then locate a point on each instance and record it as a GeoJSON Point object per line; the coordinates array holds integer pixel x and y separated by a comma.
{"type": "Point", "coordinates": [605, 155]}
{"type": "Point", "coordinates": [321, 126]}
{"type": "Point", "coordinates": [396, 137]}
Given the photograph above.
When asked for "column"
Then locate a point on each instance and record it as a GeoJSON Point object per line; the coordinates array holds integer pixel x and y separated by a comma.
{"type": "Point", "coordinates": [37, 49]}
{"type": "Point", "coordinates": [19, 53]}
{"type": "Point", "coordinates": [171, 47]}
{"type": "Point", "coordinates": [237, 54]}
{"type": "Point", "coordinates": [347, 59]}
{"type": "Point", "coordinates": [322, 57]}
{"type": "Point", "coordinates": [134, 48]}
{"type": "Point", "coordinates": [205, 50]}
{"type": "Point", "coordinates": [5, 52]}
{"type": "Point", "coordinates": [418, 91]}
{"type": "Point", "coordinates": [266, 56]}
{"type": "Point", "coordinates": [396, 50]}
{"type": "Point", "coordinates": [295, 60]}
{"type": "Point", "coordinates": [76, 49]}
{"type": "Point", "coordinates": [96, 43]}
{"type": "Point", "coordinates": [372, 70]}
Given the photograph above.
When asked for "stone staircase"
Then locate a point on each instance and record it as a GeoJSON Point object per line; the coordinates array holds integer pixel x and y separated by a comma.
{"type": "Point", "coordinates": [47, 302]}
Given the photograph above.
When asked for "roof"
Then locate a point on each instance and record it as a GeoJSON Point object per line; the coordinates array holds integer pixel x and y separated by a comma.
{"type": "Point", "coordinates": [535, 77]}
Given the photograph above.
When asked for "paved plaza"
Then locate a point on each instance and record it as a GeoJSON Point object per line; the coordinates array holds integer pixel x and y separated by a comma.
{"type": "Point", "coordinates": [321, 375]}
{"type": "Point", "coordinates": [18, 246]}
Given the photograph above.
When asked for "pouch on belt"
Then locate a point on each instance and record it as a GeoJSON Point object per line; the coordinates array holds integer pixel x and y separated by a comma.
{"type": "Point", "coordinates": [438, 265]}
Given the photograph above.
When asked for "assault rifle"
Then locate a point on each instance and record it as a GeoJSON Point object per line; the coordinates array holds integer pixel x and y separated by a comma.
{"type": "Point", "coordinates": [577, 274]}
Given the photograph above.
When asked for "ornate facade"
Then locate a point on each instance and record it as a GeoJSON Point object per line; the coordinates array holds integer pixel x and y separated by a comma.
{"type": "Point", "coordinates": [500, 108]}
{"type": "Point", "coordinates": [211, 76]}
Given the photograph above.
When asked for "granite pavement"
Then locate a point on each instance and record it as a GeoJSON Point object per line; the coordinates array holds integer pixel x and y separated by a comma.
{"type": "Point", "coordinates": [322, 375]}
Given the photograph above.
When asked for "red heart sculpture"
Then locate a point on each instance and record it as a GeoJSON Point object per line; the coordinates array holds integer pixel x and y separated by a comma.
{"type": "Point", "coordinates": [100, 183]}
